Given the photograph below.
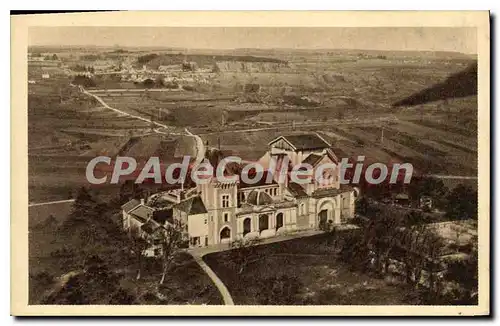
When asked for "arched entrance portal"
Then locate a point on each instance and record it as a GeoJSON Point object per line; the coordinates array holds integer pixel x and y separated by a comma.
{"type": "Point", "coordinates": [323, 219]}
{"type": "Point", "coordinates": [279, 221]}
{"type": "Point", "coordinates": [263, 222]}
{"type": "Point", "coordinates": [247, 226]}
{"type": "Point", "coordinates": [225, 233]}
{"type": "Point", "coordinates": [326, 213]}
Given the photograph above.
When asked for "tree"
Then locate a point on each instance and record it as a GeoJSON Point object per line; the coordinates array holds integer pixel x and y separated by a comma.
{"type": "Point", "coordinates": [362, 206]}
{"type": "Point", "coordinates": [279, 290]}
{"type": "Point", "coordinates": [381, 237]}
{"type": "Point", "coordinates": [159, 82]}
{"type": "Point", "coordinates": [138, 245]}
{"type": "Point", "coordinates": [465, 274]}
{"type": "Point", "coordinates": [95, 283]}
{"type": "Point", "coordinates": [420, 249]}
{"type": "Point", "coordinates": [84, 203]}
{"type": "Point", "coordinates": [431, 187]}
{"type": "Point", "coordinates": [415, 217]}
{"type": "Point", "coordinates": [84, 81]}
{"type": "Point", "coordinates": [171, 241]}
{"type": "Point", "coordinates": [243, 253]}
{"type": "Point", "coordinates": [148, 83]}
{"type": "Point", "coordinates": [462, 203]}
{"type": "Point", "coordinates": [355, 252]}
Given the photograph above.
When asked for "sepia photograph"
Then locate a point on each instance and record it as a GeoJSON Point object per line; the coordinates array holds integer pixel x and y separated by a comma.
{"type": "Point", "coordinates": [281, 163]}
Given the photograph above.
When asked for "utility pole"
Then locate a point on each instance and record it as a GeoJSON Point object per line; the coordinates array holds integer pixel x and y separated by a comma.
{"type": "Point", "coordinates": [382, 134]}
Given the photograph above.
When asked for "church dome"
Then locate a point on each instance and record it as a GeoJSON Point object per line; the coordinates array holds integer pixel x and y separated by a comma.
{"type": "Point", "coordinates": [259, 198]}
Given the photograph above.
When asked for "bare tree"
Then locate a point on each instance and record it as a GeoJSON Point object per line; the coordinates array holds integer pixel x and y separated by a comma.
{"type": "Point", "coordinates": [243, 253]}
{"type": "Point", "coordinates": [139, 244]}
{"type": "Point", "coordinates": [381, 236]}
{"type": "Point", "coordinates": [458, 231]}
{"type": "Point", "coordinates": [171, 239]}
{"type": "Point", "coordinates": [421, 251]}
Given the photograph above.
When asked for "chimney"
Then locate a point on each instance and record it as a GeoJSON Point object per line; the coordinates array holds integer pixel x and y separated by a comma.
{"type": "Point", "coordinates": [142, 201]}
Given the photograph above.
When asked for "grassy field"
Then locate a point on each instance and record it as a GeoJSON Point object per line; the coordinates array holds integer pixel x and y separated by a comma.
{"type": "Point", "coordinates": [318, 277]}
{"type": "Point", "coordinates": [431, 151]}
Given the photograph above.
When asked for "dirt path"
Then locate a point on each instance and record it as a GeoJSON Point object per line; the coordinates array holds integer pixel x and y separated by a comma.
{"type": "Point", "coordinates": [200, 148]}
{"type": "Point", "coordinates": [226, 296]}
{"type": "Point", "coordinates": [51, 202]}
{"type": "Point", "coordinates": [198, 254]}
{"type": "Point", "coordinates": [100, 100]}
{"type": "Point", "coordinates": [456, 177]}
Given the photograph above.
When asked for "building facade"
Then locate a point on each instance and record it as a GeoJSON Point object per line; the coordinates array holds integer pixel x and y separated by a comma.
{"type": "Point", "coordinates": [220, 212]}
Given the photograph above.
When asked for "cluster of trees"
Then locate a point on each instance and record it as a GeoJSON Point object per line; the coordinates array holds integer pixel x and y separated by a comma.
{"type": "Point", "coordinates": [90, 57]}
{"type": "Point", "coordinates": [84, 81]}
{"type": "Point", "coordinates": [51, 57]}
{"type": "Point", "coordinates": [156, 59]}
{"type": "Point", "coordinates": [279, 289]}
{"type": "Point", "coordinates": [46, 57]}
{"type": "Point", "coordinates": [462, 203]}
{"type": "Point", "coordinates": [95, 255]}
{"type": "Point", "coordinates": [412, 248]}
{"type": "Point", "coordinates": [83, 68]}
{"type": "Point", "coordinates": [144, 59]}
{"type": "Point", "coordinates": [159, 82]}
{"type": "Point", "coordinates": [459, 203]}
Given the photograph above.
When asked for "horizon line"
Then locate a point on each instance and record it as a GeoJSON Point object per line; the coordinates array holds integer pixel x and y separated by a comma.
{"type": "Point", "coordinates": [117, 46]}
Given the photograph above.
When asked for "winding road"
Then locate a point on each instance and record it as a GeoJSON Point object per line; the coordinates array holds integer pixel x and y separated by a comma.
{"type": "Point", "coordinates": [200, 147]}
{"type": "Point", "coordinates": [51, 202]}
{"type": "Point", "coordinates": [226, 296]}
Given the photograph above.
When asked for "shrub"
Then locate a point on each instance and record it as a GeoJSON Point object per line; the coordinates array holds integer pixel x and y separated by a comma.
{"type": "Point", "coordinates": [279, 290]}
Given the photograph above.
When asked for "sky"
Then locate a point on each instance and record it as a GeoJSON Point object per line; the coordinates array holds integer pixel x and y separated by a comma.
{"type": "Point", "coordinates": [455, 39]}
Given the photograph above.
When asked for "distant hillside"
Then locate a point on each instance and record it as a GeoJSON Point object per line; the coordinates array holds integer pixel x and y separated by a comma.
{"type": "Point", "coordinates": [250, 67]}
{"type": "Point", "coordinates": [389, 53]}
{"type": "Point", "coordinates": [461, 84]}
{"type": "Point", "coordinates": [155, 60]}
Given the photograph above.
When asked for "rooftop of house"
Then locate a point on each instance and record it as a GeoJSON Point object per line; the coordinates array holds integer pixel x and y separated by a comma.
{"type": "Point", "coordinates": [313, 159]}
{"type": "Point", "coordinates": [304, 141]}
{"type": "Point", "coordinates": [128, 206]}
{"type": "Point", "coordinates": [327, 192]}
{"type": "Point", "coordinates": [296, 190]}
{"type": "Point", "coordinates": [260, 183]}
{"type": "Point", "coordinates": [192, 206]}
{"type": "Point", "coordinates": [142, 213]}
{"type": "Point", "coordinates": [259, 198]}
{"type": "Point", "coordinates": [402, 196]}
{"type": "Point", "coordinates": [150, 226]}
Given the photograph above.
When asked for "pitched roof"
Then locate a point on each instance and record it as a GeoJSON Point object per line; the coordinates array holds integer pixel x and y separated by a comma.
{"type": "Point", "coordinates": [150, 226]}
{"type": "Point", "coordinates": [304, 141]}
{"type": "Point", "coordinates": [327, 192]}
{"type": "Point", "coordinates": [402, 196]}
{"type": "Point", "coordinates": [192, 206]}
{"type": "Point", "coordinates": [262, 181]}
{"type": "Point", "coordinates": [338, 152]}
{"type": "Point", "coordinates": [259, 198]}
{"type": "Point", "coordinates": [142, 213]}
{"type": "Point", "coordinates": [312, 159]}
{"type": "Point", "coordinates": [296, 190]}
{"type": "Point", "coordinates": [163, 215]}
{"type": "Point", "coordinates": [128, 206]}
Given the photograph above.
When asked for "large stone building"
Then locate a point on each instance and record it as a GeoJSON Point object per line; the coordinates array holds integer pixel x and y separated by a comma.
{"type": "Point", "coordinates": [220, 212]}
